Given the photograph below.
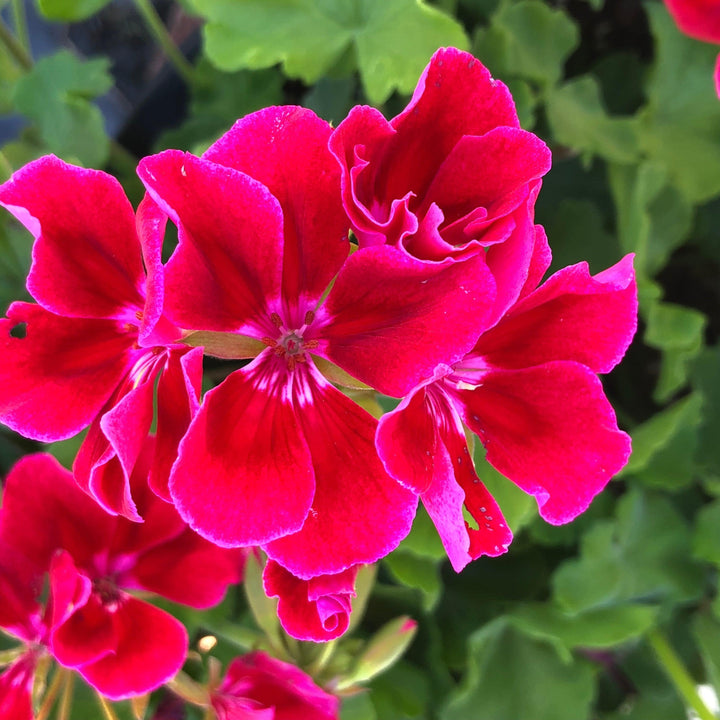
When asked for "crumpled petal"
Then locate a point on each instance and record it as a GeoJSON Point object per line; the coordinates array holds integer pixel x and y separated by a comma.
{"type": "Point", "coordinates": [86, 258]}
{"type": "Point", "coordinates": [317, 609]}
{"type": "Point", "coordinates": [551, 430]}
{"type": "Point", "coordinates": [57, 377]}
{"type": "Point", "coordinates": [359, 513]}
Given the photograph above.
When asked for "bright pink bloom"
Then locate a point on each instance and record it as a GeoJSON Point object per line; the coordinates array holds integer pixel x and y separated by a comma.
{"type": "Point", "coordinates": [699, 19]}
{"type": "Point", "coordinates": [529, 390]}
{"type": "Point", "coordinates": [91, 350]}
{"type": "Point", "coordinates": [259, 687]}
{"type": "Point", "coordinates": [276, 456]}
{"type": "Point", "coordinates": [121, 645]}
{"type": "Point", "coordinates": [450, 175]}
{"type": "Point", "coordinates": [317, 609]}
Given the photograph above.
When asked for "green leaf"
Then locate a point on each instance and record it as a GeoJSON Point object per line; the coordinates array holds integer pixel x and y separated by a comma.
{"type": "Point", "coordinates": [358, 707]}
{"type": "Point", "coordinates": [706, 379]}
{"type": "Point", "coordinates": [706, 543]}
{"type": "Point", "coordinates": [389, 42]}
{"type": "Point", "coordinates": [578, 120]}
{"type": "Point", "coordinates": [640, 557]}
{"type": "Point", "coordinates": [597, 628]}
{"type": "Point", "coordinates": [401, 693]}
{"type": "Point", "coordinates": [575, 218]}
{"type": "Point", "coordinates": [653, 216]}
{"type": "Point", "coordinates": [678, 331]}
{"type": "Point", "coordinates": [706, 630]}
{"type": "Point", "coordinates": [56, 95]}
{"type": "Point", "coordinates": [70, 10]}
{"type": "Point", "coordinates": [664, 446]}
{"type": "Point", "coordinates": [512, 676]}
{"type": "Point", "coordinates": [416, 572]}
{"type": "Point", "coordinates": [528, 39]}
{"type": "Point", "coordinates": [423, 539]}
{"type": "Point", "coordinates": [218, 100]}
{"type": "Point", "coordinates": [680, 125]}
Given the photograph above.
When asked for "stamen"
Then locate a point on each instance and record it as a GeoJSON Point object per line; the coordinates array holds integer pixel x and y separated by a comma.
{"type": "Point", "coordinates": [309, 317]}
{"type": "Point", "coordinates": [276, 321]}
{"type": "Point", "coordinates": [269, 342]}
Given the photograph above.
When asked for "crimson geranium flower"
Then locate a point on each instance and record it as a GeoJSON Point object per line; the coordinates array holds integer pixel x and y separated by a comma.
{"type": "Point", "coordinates": [91, 350]}
{"type": "Point", "coordinates": [529, 390]}
{"type": "Point", "coordinates": [277, 456]}
{"type": "Point", "coordinates": [449, 176]}
{"type": "Point", "coordinates": [121, 645]}
{"type": "Point", "coordinates": [259, 687]}
{"type": "Point", "coordinates": [317, 609]}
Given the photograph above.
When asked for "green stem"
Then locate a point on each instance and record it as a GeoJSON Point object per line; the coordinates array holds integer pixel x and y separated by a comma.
{"type": "Point", "coordinates": [108, 712]}
{"type": "Point", "coordinates": [680, 677]}
{"type": "Point", "coordinates": [157, 28]}
{"type": "Point", "coordinates": [20, 20]}
{"type": "Point", "coordinates": [14, 47]}
{"type": "Point", "coordinates": [51, 694]}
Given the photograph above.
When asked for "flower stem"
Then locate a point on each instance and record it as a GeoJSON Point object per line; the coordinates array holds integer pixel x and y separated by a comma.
{"type": "Point", "coordinates": [20, 21]}
{"type": "Point", "coordinates": [51, 694]}
{"type": "Point", "coordinates": [155, 24]}
{"type": "Point", "coordinates": [67, 698]}
{"type": "Point", "coordinates": [14, 47]}
{"type": "Point", "coordinates": [108, 712]}
{"type": "Point", "coordinates": [680, 677]}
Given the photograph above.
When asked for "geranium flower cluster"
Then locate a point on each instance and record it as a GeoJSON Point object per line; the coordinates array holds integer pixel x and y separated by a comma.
{"type": "Point", "coordinates": [400, 256]}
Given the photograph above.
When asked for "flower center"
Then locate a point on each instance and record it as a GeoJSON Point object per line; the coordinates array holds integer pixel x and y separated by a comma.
{"type": "Point", "coordinates": [291, 344]}
{"type": "Point", "coordinates": [108, 592]}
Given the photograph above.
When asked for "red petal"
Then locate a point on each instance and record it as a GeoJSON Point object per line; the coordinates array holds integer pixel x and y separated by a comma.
{"type": "Point", "coordinates": [83, 629]}
{"type": "Point", "coordinates": [178, 400]}
{"type": "Point", "coordinates": [244, 474]}
{"type": "Point", "coordinates": [65, 519]}
{"type": "Point", "coordinates": [151, 648]}
{"type": "Point", "coordinates": [106, 458]}
{"type": "Point", "coordinates": [56, 379]}
{"type": "Point", "coordinates": [285, 148]}
{"type": "Point", "coordinates": [275, 684]}
{"type": "Point", "coordinates": [86, 258]}
{"type": "Point", "coordinates": [359, 513]}
{"type": "Point", "coordinates": [551, 430]}
{"type": "Point", "coordinates": [317, 609]}
{"type": "Point", "coordinates": [16, 682]}
{"type": "Point", "coordinates": [455, 96]}
{"type": "Point", "coordinates": [392, 319]}
{"type": "Point", "coordinates": [228, 265]}
{"type": "Point", "coordinates": [572, 316]}
{"type": "Point", "coordinates": [698, 18]}
{"type": "Point", "coordinates": [422, 444]}
{"type": "Point", "coordinates": [490, 171]}
{"type": "Point", "coordinates": [188, 570]}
